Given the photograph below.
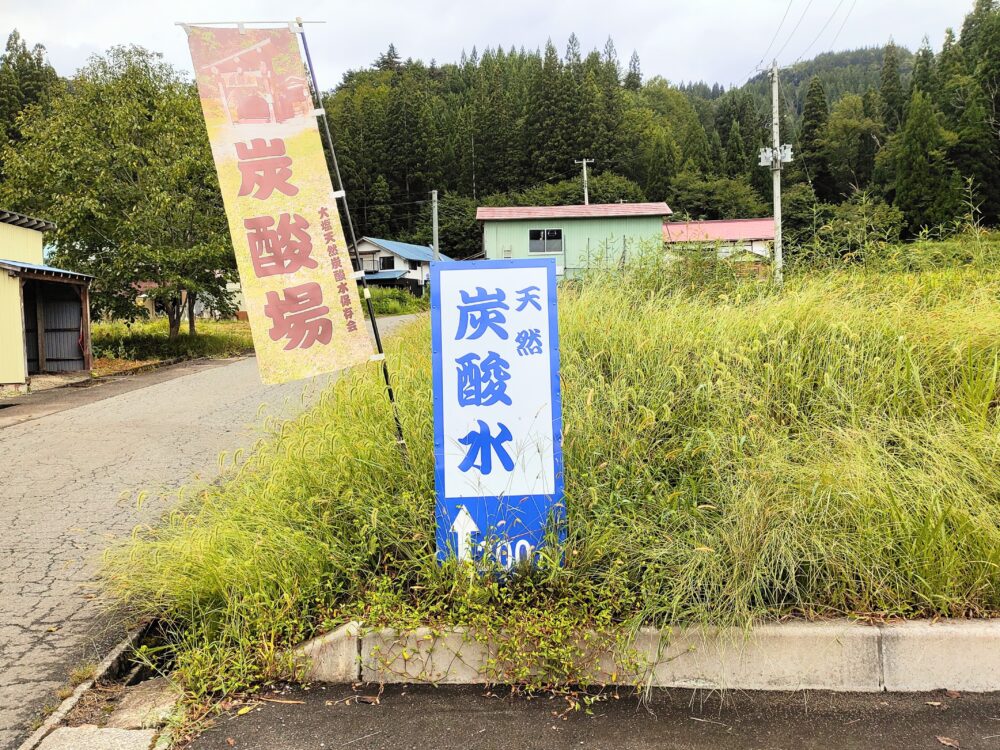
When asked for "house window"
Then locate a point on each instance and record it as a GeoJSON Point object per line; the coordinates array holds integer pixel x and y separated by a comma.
{"type": "Point", "coordinates": [414, 265]}
{"type": "Point", "coordinates": [385, 263]}
{"type": "Point", "coordinates": [545, 241]}
{"type": "Point", "coordinates": [369, 263]}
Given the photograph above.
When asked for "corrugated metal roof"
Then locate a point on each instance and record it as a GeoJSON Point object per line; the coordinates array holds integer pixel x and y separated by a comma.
{"type": "Point", "coordinates": [405, 249]}
{"type": "Point", "coordinates": [20, 220]}
{"type": "Point", "coordinates": [592, 211]}
{"type": "Point", "coordinates": [385, 275]}
{"type": "Point", "coordinates": [727, 230]}
{"type": "Point", "coordinates": [17, 265]}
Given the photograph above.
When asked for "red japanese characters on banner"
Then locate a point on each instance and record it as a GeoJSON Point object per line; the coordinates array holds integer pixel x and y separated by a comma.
{"type": "Point", "coordinates": [326, 225]}
{"type": "Point", "coordinates": [297, 279]}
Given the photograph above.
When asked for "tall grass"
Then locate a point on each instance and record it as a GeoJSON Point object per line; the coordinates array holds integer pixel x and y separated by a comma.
{"type": "Point", "coordinates": [393, 301]}
{"type": "Point", "coordinates": [148, 339]}
{"type": "Point", "coordinates": [731, 455]}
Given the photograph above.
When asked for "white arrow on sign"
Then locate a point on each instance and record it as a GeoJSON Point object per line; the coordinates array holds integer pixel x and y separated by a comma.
{"type": "Point", "coordinates": [465, 527]}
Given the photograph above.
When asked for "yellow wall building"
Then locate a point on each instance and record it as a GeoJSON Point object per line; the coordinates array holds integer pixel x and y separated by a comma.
{"type": "Point", "coordinates": [44, 311]}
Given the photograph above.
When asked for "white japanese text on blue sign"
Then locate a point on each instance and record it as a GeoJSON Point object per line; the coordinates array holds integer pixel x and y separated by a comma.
{"type": "Point", "coordinates": [497, 415]}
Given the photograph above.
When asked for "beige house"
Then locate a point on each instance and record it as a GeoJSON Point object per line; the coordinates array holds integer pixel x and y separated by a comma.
{"type": "Point", "coordinates": [44, 311]}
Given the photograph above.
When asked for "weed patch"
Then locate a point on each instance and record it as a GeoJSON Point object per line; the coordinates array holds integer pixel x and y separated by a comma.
{"type": "Point", "coordinates": [390, 301]}
{"type": "Point", "coordinates": [733, 454]}
{"type": "Point", "coordinates": [148, 341]}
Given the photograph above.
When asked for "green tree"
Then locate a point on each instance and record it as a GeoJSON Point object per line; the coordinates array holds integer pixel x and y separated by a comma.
{"type": "Point", "coordinates": [549, 120]}
{"type": "Point", "coordinates": [737, 160]}
{"type": "Point", "coordinates": [850, 142]}
{"type": "Point", "coordinates": [717, 155]}
{"type": "Point", "coordinates": [573, 62]}
{"type": "Point", "coordinates": [975, 154]}
{"type": "Point", "coordinates": [378, 212]}
{"type": "Point", "coordinates": [891, 90]}
{"type": "Point", "coordinates": [801, 214]}
{"type": "Point", "coordinates": [925, 74]}
{"type": "Point", "coordinates": [606, 187]}
{"type": "Point", "coordinates": [986, 54]}
{"type": "Point", "coordinates": [633, 79]}
{"type": "Point", "coordinates": [388, 60]}
{"type": "Point", "coordinates": [952, 77]}
{"type": "Point", "coordinates": [592, 133]}
{"type": "Point", "coordinates": [122, 164]}
{"type": "Point", "coordinates": [660, 156]}
{"type": "Point", "coordinates": [926, 184]}
{"type": "Point", "coordinates": [812, 135]}
{"type": "Point", "coordinates": [973, 28]}
{"type": "Point", "coordinates": [26, 78]}
{"type": "Point", "coordinates": [714, 198]}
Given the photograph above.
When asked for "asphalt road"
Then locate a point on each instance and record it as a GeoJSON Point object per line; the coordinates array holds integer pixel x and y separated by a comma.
{"type": "Point", "coordinates": [466, 718]}
{"type": "Point", "coordinates": [72, 463]}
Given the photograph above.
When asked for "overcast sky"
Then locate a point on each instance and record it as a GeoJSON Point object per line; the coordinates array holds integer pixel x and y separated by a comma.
{"type": "Point", "coordinates": [712, 40]}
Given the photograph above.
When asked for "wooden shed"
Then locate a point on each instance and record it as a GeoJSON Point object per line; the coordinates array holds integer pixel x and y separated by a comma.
{"type": "Point", "coordinates": [44, 311]}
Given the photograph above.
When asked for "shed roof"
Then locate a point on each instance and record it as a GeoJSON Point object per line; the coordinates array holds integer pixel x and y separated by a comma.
{"type": "Point", "coordinates": [405, 250]}
{"type": "Point", "coordinates": [592, 211]}
{"type": "Point", "coordinates": [727, 230]}
{"type": "Point", "coordinates": [20, 267]}
{"type": "Point", "coordinates": [20, 220]}
{"type": "Point", "coordinates": [386, 275]}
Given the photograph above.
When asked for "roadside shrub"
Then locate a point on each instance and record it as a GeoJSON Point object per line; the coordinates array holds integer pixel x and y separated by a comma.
{"type": "Point", "coordinates": [392, 301]}
{"type": "Point", "coordinates": [148, 340]}
{"type": "Point", "coordinates": [857, 230]}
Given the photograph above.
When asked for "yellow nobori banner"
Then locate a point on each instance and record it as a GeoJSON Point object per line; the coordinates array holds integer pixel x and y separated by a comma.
{"type": "Point", "coordinates": [294, 265]}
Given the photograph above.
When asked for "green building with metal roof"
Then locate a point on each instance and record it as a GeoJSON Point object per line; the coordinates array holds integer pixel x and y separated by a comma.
{"type": "Point", "coordinates": [578, 237]}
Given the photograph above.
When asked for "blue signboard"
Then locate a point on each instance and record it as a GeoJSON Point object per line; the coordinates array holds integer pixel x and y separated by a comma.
{"type": "Point", "coordinates": [497, 411]}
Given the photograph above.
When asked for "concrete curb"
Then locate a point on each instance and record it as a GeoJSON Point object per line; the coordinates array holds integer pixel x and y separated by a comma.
{"type": "Point", "coordinates": [112, 662]}
{"type": "Point", "coordinates": [836, 655]}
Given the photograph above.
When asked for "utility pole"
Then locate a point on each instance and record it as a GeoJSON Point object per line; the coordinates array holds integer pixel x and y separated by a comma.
{"type": "Point", "coordinates": [586, 192]}
{"type": "Point", "coordinates": [434, 223]}
{"type": "Point", "coordinates": [774, 157]}
{"type": "Point", "coordinates": [473, 166]}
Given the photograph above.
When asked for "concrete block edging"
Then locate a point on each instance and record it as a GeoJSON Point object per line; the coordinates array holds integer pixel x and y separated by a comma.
{"type": "Point", "coordinates": [838, 655]}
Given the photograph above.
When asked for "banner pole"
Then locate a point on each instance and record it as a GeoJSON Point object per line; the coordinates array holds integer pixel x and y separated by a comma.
{"type": "Point", "coordinates": [318, 101]}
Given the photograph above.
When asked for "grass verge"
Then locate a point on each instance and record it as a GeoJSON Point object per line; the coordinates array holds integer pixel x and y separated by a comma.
{"type": "Point", "coordinates": [390, 301]}
{"type": "Point", "coordinates": [116, 344]}
{"type": "Point", "coordinates": [733, 453]}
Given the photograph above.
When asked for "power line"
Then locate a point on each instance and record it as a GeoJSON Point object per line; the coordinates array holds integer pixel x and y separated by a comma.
{"type": "Point", "coordinates": [796, 129]}
{"type": "Point", "coordinates": [792, 34]}
{"type": "Point", "coordinates": [401, 203]}
{"type": "Point", "coordinates": [773, 38]}
{"type": "Point", "coordinates": [842, 25]}
{"type": "Point", "coordinates": [816, 38]}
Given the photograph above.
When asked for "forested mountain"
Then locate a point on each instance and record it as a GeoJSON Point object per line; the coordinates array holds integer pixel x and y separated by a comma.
{"type": "Point", "coordinates": [847, 72]}
{"type": "Point", "coordinates": [910, 128]}
{"type": "Point", "coordinates": [900, 134]}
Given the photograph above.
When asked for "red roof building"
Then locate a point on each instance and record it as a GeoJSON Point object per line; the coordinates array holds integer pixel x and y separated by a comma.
{"type": "Point", "coordinates": [733, 236]}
